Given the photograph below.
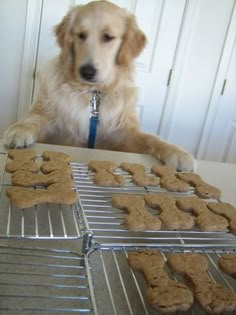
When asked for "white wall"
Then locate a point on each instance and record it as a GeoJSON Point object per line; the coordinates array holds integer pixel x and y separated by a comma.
{"type": "Point", "coordinates": [12, 28]}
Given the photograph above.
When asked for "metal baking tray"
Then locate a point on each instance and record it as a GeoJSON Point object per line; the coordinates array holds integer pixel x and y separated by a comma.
{"type": "Point", "coordinates": [105, 222]}
{"type": "Point", "coordinates": [45, 281]}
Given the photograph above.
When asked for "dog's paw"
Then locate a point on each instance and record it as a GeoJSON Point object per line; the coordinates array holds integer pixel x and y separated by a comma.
{"type": "Point", "coordinates": [177, 157]}
{"type": "Point", "coordinates": [19, 136]}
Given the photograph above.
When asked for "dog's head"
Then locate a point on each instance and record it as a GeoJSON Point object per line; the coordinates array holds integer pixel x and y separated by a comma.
{"type": "Point", "coordinates": [97, 39]}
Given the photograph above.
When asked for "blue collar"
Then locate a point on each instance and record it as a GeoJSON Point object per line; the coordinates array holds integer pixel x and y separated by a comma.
{"type": "Point", "coordinates": [94, 118]}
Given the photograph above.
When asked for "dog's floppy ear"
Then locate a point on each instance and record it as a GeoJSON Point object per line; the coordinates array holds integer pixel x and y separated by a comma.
{"type": "Point", "coordinates": [63, 33]}
{"type": "Point", "coordinates": [133, 42]}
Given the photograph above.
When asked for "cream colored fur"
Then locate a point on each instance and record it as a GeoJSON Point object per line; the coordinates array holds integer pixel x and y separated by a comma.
{"type": "Point", "coordinates": [106, 37]}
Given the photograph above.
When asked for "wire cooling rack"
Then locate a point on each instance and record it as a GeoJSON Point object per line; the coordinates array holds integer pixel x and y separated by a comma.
{"type": "Point", "coordinates": [123, 291]}
{"type": "Point", "coordinates": [45, 281]}
{"type": "Point", "coordinates": [46, 221]}
{"type": "Point", "coordinates": [51, 281]}
{"type": "Point", "coordinates": [105, 222]}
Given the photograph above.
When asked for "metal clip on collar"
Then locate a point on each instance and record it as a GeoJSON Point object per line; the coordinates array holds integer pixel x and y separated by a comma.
{"type": "Point", "coordinates": [94, 103]}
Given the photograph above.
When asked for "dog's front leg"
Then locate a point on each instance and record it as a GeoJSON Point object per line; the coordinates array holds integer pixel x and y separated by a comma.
{"type": "Point", "coordinates": [169, 154]}
{"type": "Point", "coordinates": [26, 132]}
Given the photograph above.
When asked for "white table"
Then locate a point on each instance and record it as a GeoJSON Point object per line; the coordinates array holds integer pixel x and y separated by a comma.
{"type": "Point", "coordinates": [222, 175]}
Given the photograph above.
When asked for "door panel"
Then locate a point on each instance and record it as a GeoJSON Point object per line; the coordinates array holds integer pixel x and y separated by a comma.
{"type": "Point", "coordinates": [222, 143]}
{"type": "Point", "coordinates": [198, 73]}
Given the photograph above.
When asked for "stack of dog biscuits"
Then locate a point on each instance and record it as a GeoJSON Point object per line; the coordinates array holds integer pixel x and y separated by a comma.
{"type": "Point", "coordinates": [22, 160]}
{"type": "Point", "coordinates": [30, 187]}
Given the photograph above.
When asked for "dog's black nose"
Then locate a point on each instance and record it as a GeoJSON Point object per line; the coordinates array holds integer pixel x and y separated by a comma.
{"type": "Point", "coordinates": [88, 72]}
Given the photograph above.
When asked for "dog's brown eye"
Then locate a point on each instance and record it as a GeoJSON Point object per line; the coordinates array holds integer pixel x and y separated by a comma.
{"type": "Point", "coordinates": [82, 35]}
{"type": "Point", "coordinates": [107, 38]}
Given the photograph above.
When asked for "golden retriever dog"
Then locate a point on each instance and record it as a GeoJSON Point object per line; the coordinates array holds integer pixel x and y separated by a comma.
{"type": "Point", "coordinates": [99, 42]}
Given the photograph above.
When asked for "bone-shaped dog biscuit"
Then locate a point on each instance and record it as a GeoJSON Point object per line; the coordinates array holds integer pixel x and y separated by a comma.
{"type": "Point", "coordinates": [28, 179]}
{"type": "Point", "coordinates": [225, 210]}
{"type": "Point", "coordinates": [164, 294]}
{"type": "Point", "coordinates": [22, 154]}
{"type": "Point", "coordinates": [213, 297]}
{"type": "Point", "coordinates": [206, 219]}
{"type": "Point", "coordinates": [27, 197]}
{"type": "Point", "coordinates": [96, 166]}
{"type": "Point", "coordinates": [169, 181]}
{"type": "Point", "coordinates": [202, 189]}
{"type": "Point", "coordinates": [14, 166]}
{"type": "Point", "coordinates": [171, 216]}
{"type": "Point", "coordinates": [106, 178]}
{"type": "Point", "coordinates": [138, 218]}
{"type": "Point", "coordinates": [104, 173]}
{"type": "Point", "coordinates": [51, 166]}
{"type": "Point", "coordinates": [22, 160]}
{"type": "Point", "coordinates": [139, 176]}
{"type": "Point", "coordinates": [56, 156]}
{"type": "Point", "coordinates": [227, 263]}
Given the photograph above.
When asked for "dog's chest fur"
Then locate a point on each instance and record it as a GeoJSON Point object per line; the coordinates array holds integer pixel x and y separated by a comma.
{"type": "Point", "coordinates": [69, 106]}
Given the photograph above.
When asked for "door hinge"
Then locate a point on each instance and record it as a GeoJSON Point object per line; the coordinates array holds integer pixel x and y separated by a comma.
{"type": "Point", "coordinates": [223, 87]}
{"type": "Point", "coordinates": [34, 74]}
{"type": "Point", "coordinates": [169, 77]}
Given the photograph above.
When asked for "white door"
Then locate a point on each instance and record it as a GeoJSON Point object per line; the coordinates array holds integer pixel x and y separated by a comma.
{"type": "Point", "coordinates": [195, 74]}
{"type": "Point", "coordinates": [224, 127]}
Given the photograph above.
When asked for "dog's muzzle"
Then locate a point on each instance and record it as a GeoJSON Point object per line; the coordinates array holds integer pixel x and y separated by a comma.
{"type": "Point", "coordinates": [88, 72]}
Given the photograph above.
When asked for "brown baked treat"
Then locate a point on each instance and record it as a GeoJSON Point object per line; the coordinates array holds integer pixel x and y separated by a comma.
{"type": "Point", "coordinates": [202, 189]}
{"type": "Point", "coordinates": [227, 263]}
{"type": "Point", "coordinates": [22, 160]}
{"type": "Point", "coordinates": [104, 173]}
{"type": "Point", "coordinates": [170, 216]}
{"type": "Point", "coordinates": [227, 211]}
{"type": "Point", "coordinates": [14, 166]}
{"type": "Point", "coordinates": [106, 178]}
{"type": "Point", "coordinates": [138, 218]}
{"type": "Point", "coordinates": [164, 294]}
{"type": "Point", "coordinates": [213, 297]}
{"type": "Point", "coordinates": [139, 176]}
{"type": "Point", "coordinates": [56, 156]}
{"type": "Point", "coordinates": [206, 220]}
{"type": "Point", "coordinates": [96, 166]}
{"type": "Point", "coordinates": [25, 155]}
{"type": "Point", "coordinates": [51, 166]}
{"type": "Point", "coordinates": [168, 178]}
{"type": "Point", "coordinates": [22, 197]}
{"type": "Point", "coordinates": [29, 179]}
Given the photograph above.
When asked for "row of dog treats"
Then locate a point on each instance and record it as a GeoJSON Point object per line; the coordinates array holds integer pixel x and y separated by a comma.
{"type": "Point", "coordinates": [163, 175]}
{"type": "Point", "coordinates": [167, 295]}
